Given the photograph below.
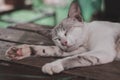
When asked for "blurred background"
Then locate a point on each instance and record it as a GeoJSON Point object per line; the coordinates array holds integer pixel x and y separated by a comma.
{"type": "Point", "coordinates": [51, 12]}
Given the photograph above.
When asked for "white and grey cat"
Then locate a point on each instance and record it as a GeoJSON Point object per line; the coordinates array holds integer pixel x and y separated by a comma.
{"type": "Point", "coordinates": [81, 44]}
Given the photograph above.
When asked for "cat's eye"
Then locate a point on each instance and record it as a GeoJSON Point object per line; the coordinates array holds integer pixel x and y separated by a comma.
{"type": "Point", "coordinates": [59, 39]}
{"type": "Point", "coordinates": [65, 34]}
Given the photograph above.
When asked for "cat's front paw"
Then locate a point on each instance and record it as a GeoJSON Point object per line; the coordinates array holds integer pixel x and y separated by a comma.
{"type": "Point", "coordinates": [54, 67]}
{"type": "Point", "coordinates": [18, 52]}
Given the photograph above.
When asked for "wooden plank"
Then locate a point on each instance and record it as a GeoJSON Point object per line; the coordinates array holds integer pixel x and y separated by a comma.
{"type": "Point", "coordinates": [109, 71]}
{"type": "Point", "coordinates": [16, 71]}
{"type": "Point", "coordinates": [24, 37]}
{"type": "Point", "coordinates": [40, 29]}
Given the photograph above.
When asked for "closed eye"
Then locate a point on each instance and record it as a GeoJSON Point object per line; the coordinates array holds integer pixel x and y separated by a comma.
{"type": "Point", "coordinates": [56, 38]}
{"type": "Point", "coordinates": [65, 34]}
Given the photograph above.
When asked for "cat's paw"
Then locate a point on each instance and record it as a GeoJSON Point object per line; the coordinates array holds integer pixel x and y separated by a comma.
{"type": "Point", "coordinates": [18, 52]}
{"type": "Point", "coordinates": [54, 67]}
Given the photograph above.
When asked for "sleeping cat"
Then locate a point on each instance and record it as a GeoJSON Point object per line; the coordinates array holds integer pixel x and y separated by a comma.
{"type": "Point", "coordinates": [81, 44]}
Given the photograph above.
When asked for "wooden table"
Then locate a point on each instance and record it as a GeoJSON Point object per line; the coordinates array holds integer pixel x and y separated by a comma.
{"type": "Point", "coordinates": [30, 68]}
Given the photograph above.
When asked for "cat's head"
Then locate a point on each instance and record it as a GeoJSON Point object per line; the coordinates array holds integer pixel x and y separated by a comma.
{"type": "Point", "coordinates": [68, 34]}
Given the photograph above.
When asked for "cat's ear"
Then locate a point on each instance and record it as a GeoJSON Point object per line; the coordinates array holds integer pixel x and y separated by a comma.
{"type": "Point", "coordinates": [74, 11]}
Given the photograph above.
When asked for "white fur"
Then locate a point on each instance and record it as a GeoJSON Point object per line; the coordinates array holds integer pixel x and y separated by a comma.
{"type": "Point", "coordinates": [54, 67]}
{"type": "Point", "coordinates": [99, 38]}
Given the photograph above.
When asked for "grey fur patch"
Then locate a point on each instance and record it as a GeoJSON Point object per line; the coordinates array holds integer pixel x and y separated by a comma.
{"type": "Point", "coordinates": [85, 58]}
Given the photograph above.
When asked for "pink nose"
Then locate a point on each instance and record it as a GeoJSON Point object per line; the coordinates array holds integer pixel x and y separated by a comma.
{"type": "Point", "coordinates": [64, 43]}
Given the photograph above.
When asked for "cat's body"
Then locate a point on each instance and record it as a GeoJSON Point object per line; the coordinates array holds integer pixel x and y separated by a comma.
{"type": "Point", "coordinates": [103, 35]}
{"type": "Point", "coordinates": [81, 44]}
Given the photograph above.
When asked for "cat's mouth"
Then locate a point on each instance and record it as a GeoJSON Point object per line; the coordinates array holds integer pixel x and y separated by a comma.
{"type": "Point", "coordinates": [69, 48]}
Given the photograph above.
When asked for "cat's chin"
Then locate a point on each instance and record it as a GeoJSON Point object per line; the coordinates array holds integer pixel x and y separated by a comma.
{"type": "Point", "coordinates": [70, 49]}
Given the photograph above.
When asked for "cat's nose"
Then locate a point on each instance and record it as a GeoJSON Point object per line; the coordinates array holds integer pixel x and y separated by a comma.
{"type": "Point", "coordinates": [64, 43]}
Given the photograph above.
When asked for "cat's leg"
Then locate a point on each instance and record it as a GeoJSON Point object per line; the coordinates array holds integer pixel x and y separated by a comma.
{"type": "Point", "coordinates": [23, 51]}
{"type": "Point", "coordinates": [80, 60]}
{"type": "Point", "coordinates": [55, 51]}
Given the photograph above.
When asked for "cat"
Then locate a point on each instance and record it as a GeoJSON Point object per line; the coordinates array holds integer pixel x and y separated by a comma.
{"type": "Point", "coordinates": [79, 43]}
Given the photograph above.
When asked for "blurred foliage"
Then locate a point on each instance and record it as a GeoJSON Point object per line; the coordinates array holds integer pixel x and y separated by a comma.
{"type": "Point", "coordinates": [88, 7]}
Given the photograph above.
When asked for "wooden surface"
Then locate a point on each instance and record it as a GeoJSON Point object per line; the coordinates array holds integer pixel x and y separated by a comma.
{"type": "Point", "coordinates": [30, 68]}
